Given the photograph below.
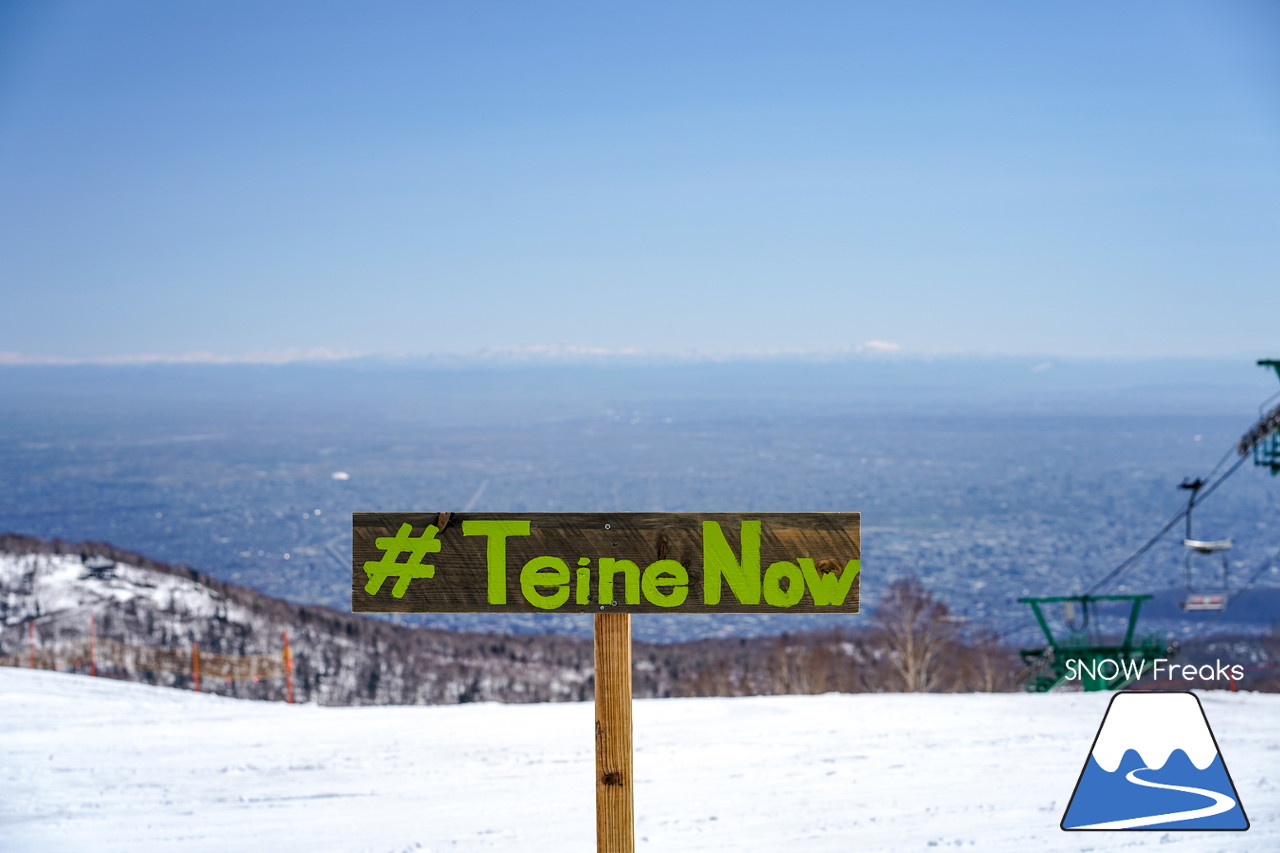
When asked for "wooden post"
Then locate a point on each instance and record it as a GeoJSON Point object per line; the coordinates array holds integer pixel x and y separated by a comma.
{"type": "Point", "coordinates": [93, 660]}
{"type": "Point", "coordinates": [288, 667]}
{"type": "Point", "coordinates": [195, 665]}
{"type": "Point", "coordinates": [615, 829]}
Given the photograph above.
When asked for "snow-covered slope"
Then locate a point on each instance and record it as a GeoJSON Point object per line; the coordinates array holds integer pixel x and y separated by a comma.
{"type": "Point", "coordinates": [95, 765]}
{"type": "Point", "coordinates": [46, 584]}
{"type": "Point", "coordinates": [148, 615]}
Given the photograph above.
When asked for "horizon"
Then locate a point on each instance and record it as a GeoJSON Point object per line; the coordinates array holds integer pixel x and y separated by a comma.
{"type": "Point", "coordinates": [872, 353]}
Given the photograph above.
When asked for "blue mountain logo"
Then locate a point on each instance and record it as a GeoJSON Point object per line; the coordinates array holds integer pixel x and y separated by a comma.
{"type": "Point", "coordinates": [1155, 765]}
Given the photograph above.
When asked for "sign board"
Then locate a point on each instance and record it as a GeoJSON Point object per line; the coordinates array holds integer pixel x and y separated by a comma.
{"type": "Point", "coordinates": [605, 562]}
{"type": "Point", "coordinates": [612, 565]}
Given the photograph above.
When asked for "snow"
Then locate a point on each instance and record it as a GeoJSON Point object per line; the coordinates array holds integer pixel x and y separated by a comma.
{"type": "Point", "coordinates": [59, 583]}
{"type": "Point", "coordinates": [1132, 723]}
{"type": "Point", "coordinates": [92, 764]}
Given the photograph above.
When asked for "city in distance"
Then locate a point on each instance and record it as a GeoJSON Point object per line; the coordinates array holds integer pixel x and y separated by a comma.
{"type": "Point", "coordinates": [990, 479]}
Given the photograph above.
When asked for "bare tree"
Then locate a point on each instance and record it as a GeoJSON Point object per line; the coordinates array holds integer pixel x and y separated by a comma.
{"type": "Point", "coordinates": [988, 666]}
{"type": "Point", "coordinates": [918, 636]}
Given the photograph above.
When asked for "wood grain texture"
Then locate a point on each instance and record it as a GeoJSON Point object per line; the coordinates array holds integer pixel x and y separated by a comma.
{"type": "Point", "coordinates": [615, 801]}
{"type": "Point", "coordinates": [460, 579]}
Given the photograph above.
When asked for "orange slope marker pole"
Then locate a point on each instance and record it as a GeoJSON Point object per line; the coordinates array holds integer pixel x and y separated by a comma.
{"type": "Point", "coordinates": [288, 667]}
{"type": "Point", "coordinates": [195, 665]}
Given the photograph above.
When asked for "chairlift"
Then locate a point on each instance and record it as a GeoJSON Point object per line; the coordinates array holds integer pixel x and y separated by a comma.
{"type": "Point", "coordinates": [1214, 600]}
{"type": "Point", "coordinates": [1199, 602]}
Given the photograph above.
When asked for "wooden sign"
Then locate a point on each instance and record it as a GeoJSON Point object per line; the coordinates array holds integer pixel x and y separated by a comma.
{"type": "Point", "coordinates": [612, 565]}
{"type": "Point", "coordinates": [605, 562]}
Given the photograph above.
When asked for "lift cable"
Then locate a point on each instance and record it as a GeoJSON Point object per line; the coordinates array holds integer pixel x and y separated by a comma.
{"type": "Point", "coordinates": [1203, 493]}
{"type": "Point", "coordinates": [1262, 569]}
{"type": "Point", "coordinates": [1234, 449]}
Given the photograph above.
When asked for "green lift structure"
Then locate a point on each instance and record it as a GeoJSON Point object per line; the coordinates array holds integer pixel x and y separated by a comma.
{"type": "Point", "coordinates": [1264, 437]}
{"type": "Point", "coordinates": [1100, 665]}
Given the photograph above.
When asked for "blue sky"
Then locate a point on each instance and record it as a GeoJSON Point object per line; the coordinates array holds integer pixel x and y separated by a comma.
{"type": "Point", "coordinates": [240, 178]}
